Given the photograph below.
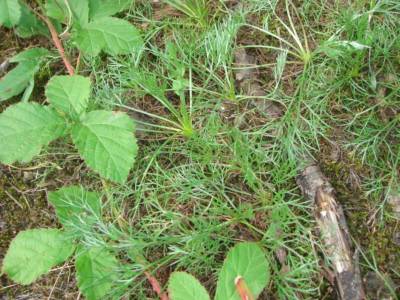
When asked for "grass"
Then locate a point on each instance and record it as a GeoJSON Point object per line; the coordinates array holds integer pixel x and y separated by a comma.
{"type": "Point", "coordinates": [207, 177]}
{"type": "Point", "coordinates": [201, 184]}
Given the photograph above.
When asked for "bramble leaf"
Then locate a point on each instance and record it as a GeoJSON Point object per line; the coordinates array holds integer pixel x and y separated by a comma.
{"type": "Point", "coordinates": [69, 94]}
{"type": "Point", "coordinates": [25, 128]}
{"type": "Point", "coordinates": [114, 36]}
{"type": "Point", "coordinates": [34, 252]}
{"type": "Point", "coordinates": [78, 11]}
{"type": "Point", "coordinates": [32, 54]}
{"type": "Point", "coordinates": [10, 12]}
{"type": "Point", "coordinates": [183, 286]}
{"type": "Point", "coordinates": [15, 81]}
{"type": "Point", "coordinates": [105, 8]}
{"type": "Point", "coordinates": [29, 24]}
{"type": "Point", "coordinates": [246, 261]}
{"type": "Point", "coordinates": [106, 142]}
{"type": "Point", "coordinates": [76, 207]}
{"type": "Point", "coordinates": [96, 269]}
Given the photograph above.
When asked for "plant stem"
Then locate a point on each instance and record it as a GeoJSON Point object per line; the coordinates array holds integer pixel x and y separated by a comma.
{"type": "Point", "coordinates": [54, 36]}
{"type": "Point", "coordinates": [156, 286]}
{"type": "Point", "coordinates": [57, 42]}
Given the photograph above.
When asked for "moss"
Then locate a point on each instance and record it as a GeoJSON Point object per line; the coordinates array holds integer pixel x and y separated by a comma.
{"type": "Point", "coordinates": [374, 237]}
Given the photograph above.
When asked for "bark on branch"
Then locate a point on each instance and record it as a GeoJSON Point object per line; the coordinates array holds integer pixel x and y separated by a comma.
{"type": "Point", "coordinates": [333, 230]}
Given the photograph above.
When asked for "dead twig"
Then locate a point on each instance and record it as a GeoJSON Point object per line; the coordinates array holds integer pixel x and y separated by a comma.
{"type": "Point", "coordinates": [333, 231]}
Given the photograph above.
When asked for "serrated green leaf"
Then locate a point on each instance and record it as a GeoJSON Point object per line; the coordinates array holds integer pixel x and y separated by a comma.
{"type": "Point", "coordinates": [96, 269]}
{"type": "Point", "coordinates": [32, 54]}
{"type": "Point", "coordinates": [29, 25]}
{"type": "Point", "coordinates": [248, 261]}
{"type": "Point", "coordinates": [106, 142]}
{"type": "Point", "coordinates": [25, 128]}
{"type": "Point", "coordinates": [114, 36]}
{"type": "Point", "coordinates": [78, 11]}
{"type": "Point", "coordinates": [15, 81]}
{"type": "Point", "coordinates": [105, 8]}
{"type": "Point", "coordinates": [10, 13]}
{"type": "Point", "coordinates": [76, 208]}
{"type": "Point", "coordinates": [183, 286]}
{"type": "Point", "coordinates": [34, 252]}
{"type": "Point", "coordinates": [56, 9]}
{"type": "Point", "coordinates": [69, 94]}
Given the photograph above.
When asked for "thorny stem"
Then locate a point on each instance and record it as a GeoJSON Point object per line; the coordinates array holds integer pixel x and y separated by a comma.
{"type": "Point", "coordinates": [56, 40]}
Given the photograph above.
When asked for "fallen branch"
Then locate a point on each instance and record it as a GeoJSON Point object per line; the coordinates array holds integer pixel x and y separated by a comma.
{"type": "Point", "coordinates": [333, 230]}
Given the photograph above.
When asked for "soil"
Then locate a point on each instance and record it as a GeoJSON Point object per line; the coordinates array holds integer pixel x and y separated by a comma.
{"type": "Point", "coordinates": [23, 204]}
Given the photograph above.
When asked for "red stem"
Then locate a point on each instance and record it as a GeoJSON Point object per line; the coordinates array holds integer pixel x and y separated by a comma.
{"type": "Point", "coordinates": [57, 42]}
{"type": "Point", "coordinates": [242, 289]}
{"type": "Point", "coordinates": [59, 46]}
{"type": "Point", "coordinates": [156, 286]}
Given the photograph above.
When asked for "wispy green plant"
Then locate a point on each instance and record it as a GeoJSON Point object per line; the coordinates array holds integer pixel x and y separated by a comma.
{"type": "Point", "coordinates": [219, 41]}
{"type": "Point", "coordinates": [299, 47]}
{"type": "Point", "coordinates": [195, 9]}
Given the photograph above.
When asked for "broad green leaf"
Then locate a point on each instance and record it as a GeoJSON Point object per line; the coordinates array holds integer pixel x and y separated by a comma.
{"type": "Point", "coordinates": [78, 11]}
{"type": "Point", "coordinates": [114, 36]}
{"type": "Point", "coordinates": [69, 94]}
{"type": "Point", "coordinates": [29, 24]}
{"type": "Point", "coordinates": [105, 8]}
{"type": "Point", "coordinates": [25, 128]}
{"type": "Point", "coordinates": [32, 54]}
{"type": "Point", "coordinates": [183, 286]}
{"type": "Point", "coordinates": [34, 252]}
{"type": "Point", "coordinates": [76, 207]}
{"type": "Point", "coordinates": [10, 13]}
{"type": "Point", "coordinates": [15, 81]}
{"type": "Point", "coordinates": [248, 261]}
{"type": "Point", "coordinates": [57, 10]}
{"type": "Point", "coordinates": [96, 269]}
{"type": "Point", "coordinates": [106, 142]}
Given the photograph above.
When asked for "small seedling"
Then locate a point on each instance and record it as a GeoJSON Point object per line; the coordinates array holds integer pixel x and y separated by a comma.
{"type": "Point", "coordinates": [104, 139]}
{"type": "Point", "coordinates": [34, 252]}
{"type": "Point", "coordinates": [195, 9]}
{"type": "Point", "coordinates": [244, 275]}
{"type": "Point", "coordinates": [298, 49]}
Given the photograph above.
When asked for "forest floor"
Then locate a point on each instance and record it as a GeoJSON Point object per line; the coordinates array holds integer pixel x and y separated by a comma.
{"type": "Point", "coordinates": [227, 172]}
